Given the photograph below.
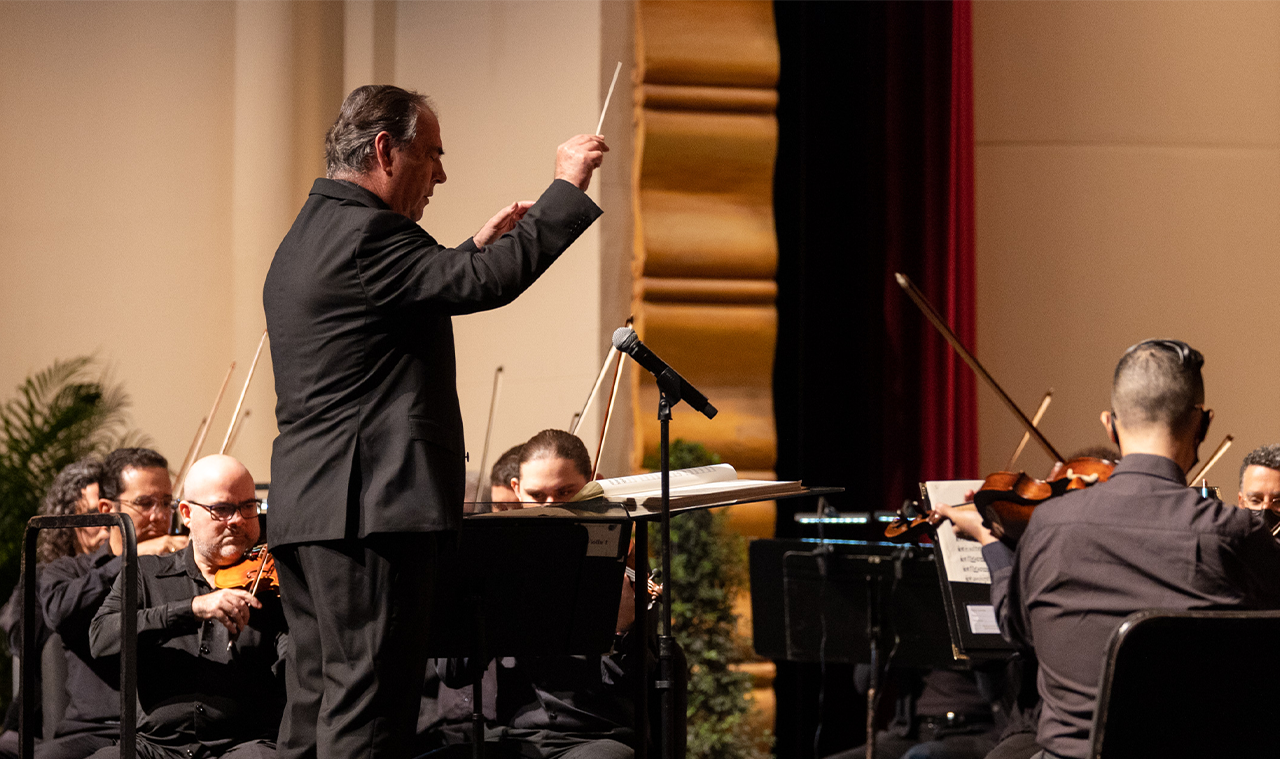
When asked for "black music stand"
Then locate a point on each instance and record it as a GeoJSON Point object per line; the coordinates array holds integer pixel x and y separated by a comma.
{"type": "Point", "coordinates": [847, 601]}
{"type": "Point", "coordinates": [128, 625]}
{"type": "Point", "coordinates": [600, 513]}
{"type": "Point", "coordinates": [528, 587]}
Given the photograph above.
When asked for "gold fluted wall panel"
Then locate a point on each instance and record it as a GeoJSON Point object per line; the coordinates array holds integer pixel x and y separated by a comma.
{"type": "Point", "coordinates": [706, 252]}
{"type": "Point", "coordinates": [705, 246]}
{"type": "Point", "coordinates": [706, 42]}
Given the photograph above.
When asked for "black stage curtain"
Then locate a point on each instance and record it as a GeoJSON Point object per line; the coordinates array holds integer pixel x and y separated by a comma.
{"type": "Point", "coordinates": [860, 191]}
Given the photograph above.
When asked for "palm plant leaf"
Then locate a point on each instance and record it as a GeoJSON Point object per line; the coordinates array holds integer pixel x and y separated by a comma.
{"type": "Point", "coordinates": [59, 415]}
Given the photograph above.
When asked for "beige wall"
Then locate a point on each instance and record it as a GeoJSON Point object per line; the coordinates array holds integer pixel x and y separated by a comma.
{"type": "Point", "coordinates": [157, 152]}
{"type": "Point", "coordinates": [115, 235]}
{"type": "Point", "coordinates": [1128, 181]}
{"type": "Point", "coordinates": [512, 80]}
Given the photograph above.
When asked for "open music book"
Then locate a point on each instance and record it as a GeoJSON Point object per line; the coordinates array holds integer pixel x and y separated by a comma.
{"type": "Point", "coordinates": [966, 581]}
{"type": "Point", "coordinates": [961, 557]}
{"type": "Point", "coordinates": [689, 487]}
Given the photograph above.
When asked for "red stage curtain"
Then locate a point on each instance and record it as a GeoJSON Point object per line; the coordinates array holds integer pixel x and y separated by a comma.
{"type": "Point", "coordinates": [932, 429]}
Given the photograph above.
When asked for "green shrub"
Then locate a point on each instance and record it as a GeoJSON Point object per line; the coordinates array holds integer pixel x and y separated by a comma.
{"type": "Point", "coordinates": [709, 570]}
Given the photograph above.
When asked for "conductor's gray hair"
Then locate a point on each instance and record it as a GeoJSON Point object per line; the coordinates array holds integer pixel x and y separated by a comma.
{"type": "Point", "coordinates": [367, 112]}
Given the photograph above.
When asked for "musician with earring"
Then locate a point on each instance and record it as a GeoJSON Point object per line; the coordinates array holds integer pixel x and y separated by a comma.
{"type": "Point", "coordinates": [1140, 540]}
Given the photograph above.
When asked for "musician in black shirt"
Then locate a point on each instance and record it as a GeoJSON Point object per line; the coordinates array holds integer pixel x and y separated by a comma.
{"type": "Point", "coordinates": [210, 662]}
{"type": "Point", "coordinates": [1141, 540]}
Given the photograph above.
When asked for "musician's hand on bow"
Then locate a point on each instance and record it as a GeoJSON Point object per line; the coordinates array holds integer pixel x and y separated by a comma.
{"type": "Point", "coordinates": [502, 222]}
{"type": "Point", "coordinates": [230, 606]}
{"type": "Point", "coordinates": [968, 522]}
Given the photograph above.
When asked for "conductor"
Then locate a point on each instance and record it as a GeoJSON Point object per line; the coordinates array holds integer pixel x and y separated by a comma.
{"type": "Point", "coordinates": [368, 472]}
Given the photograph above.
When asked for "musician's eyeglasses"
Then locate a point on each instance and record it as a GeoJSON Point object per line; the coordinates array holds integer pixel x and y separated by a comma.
{"type": "Point", "coordinates": [147, 503]}
{"type": "Point", "coordinates": [1261, 501]}
{"type": "Point", "coordinates": [224, 511]}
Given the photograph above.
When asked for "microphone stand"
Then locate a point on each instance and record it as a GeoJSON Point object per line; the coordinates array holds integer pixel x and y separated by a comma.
{"type": "Point", "coordinates": [671, 388]}
{"type": "Point", "coordinates": [668, 396]}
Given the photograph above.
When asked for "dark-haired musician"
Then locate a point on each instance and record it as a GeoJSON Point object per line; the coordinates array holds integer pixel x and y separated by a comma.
{"type": "Point", "coordinates": [1141, 540]}
{"type": "Point", "coordinates": [507, 468]}
{"type": "Point", "coordinates": [134, 481]}
{"type": "Point", "coordinates": [1260, 479]}
{"type": "Point", "coordinates": [564, 707]}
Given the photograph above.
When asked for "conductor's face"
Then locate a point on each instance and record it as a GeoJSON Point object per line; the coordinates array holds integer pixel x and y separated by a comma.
{"type": "Point", "coordinates": [414, 171]}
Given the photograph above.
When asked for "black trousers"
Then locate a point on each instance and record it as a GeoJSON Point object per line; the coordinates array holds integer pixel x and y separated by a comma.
{"type": "Point", "coordinates": [358, 615]}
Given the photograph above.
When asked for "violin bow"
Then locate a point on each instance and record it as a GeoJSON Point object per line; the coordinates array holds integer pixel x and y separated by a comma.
{"type": "Point", "coordinates": [226, 441]}
{"type": "Point", "coordinates": [488, 431]}
{"type": "Point", "coordinates": [923, 303]}
{"type": "Point", "coordinates": [194, 452]}
{"type": "Point", "coordinates": [1217, 454]}
{"type": "Point", "coordinates": [1026, 436]}
{"type": "Point", "coordinates": [187, 460]}
{"type": "Point", "coordinates": [608, 414]}
{"type": "Point", "coordinates": [235, 429]}
{"type": "Point", "coordinates": [604, 369]}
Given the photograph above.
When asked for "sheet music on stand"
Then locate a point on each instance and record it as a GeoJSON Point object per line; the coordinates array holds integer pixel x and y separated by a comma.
{"type": "Point", "coordinates": [966, 582]}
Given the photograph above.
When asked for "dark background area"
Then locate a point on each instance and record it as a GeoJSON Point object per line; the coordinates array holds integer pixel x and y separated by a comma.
{"type": "Point", "coordinates": [860, 191]}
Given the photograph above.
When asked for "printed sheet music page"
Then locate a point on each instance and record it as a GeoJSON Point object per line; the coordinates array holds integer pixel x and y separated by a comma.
{"type": "Point", "coordinates": [961, 557]}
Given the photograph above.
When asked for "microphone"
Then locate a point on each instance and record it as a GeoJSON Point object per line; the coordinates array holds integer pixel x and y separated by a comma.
{"type": "Point", "coordinates": [626, 340]}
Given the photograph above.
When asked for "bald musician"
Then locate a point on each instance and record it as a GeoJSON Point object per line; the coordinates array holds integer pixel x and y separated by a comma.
{"type": "Point", "coordinates": [198, 696]}
{"type": "Point", "coordinates": [1260, 479]}
{"type": "Point", "coordinates": [1141, 540]}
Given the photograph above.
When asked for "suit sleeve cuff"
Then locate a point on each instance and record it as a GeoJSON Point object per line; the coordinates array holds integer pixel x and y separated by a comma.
{"type": "Point", "coordinates": [566, 194]}
{"type": "Point", "coordinates": [998, 555]}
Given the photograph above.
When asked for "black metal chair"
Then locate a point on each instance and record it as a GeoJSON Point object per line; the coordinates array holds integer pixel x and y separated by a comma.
{"type": "Point", "coordinates": [128, 625]}
{"type": "Point", "coordinates": [1190, 684]}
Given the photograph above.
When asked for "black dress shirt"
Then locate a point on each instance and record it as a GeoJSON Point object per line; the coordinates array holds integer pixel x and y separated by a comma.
{"type": "Point", "coordinates": [1142, 540]}
{"type": "Point", "coordinates": [194, 694]}
{"type": "Point", "coordinates": [72, 589]}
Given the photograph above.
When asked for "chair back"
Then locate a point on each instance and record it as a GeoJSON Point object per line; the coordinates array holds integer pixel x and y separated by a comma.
{"type": "Point", "coordinates": [1190, 683]}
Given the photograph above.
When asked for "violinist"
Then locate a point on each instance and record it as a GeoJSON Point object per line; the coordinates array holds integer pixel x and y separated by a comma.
{"type": "Point", "coordinates": [197, 695]}
{"type": "Point", "coordinates": [1260, 480]}
{"type": "Point", "coordinates": [136, 482]}
{"type": "Point", "coordinates": [1140, 540]}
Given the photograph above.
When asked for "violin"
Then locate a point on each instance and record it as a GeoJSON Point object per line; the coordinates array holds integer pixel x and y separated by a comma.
{"type": "Point", "coordinates": [1006, 499]}
{"type": "Point", "coordinates": [255, 566]}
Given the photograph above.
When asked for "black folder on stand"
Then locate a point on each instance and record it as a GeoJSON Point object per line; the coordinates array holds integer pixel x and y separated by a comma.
{"type": "Point", "coordinates": [965, 581]}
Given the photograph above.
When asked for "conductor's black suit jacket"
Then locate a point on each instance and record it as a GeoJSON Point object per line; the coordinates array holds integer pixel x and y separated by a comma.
{"type": "Point", "coordinates": [358, 302]}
